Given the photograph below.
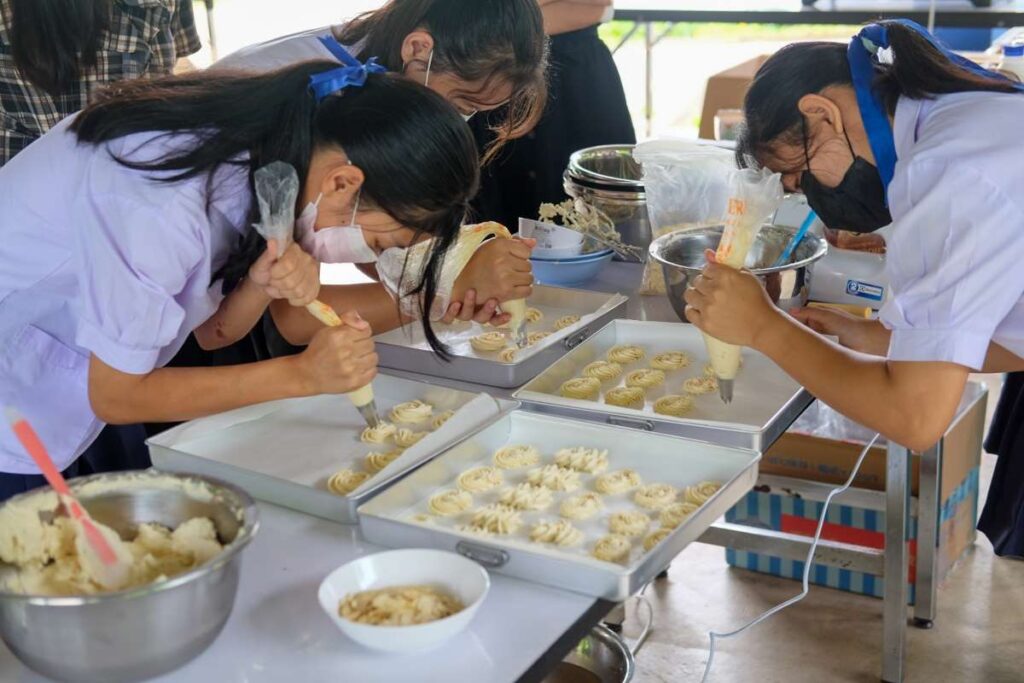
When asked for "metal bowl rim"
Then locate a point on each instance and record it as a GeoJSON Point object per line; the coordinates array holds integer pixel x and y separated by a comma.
{"type": "Point", "coordinates": [659, 243]}
{"type": "Point", "coordinates": [250, 527]}
{"type": "Point", "coordinates": [578, 173]}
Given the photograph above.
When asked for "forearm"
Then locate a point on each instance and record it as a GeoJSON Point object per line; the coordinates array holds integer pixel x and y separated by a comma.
{"type": "Point", "coordinates": [179, 394]}
{"type": "Point", "coordinates": [371, 301]}
{"type": "Point", "coordinates": [238, 313]}
{"type": "Point", "coordinates": [566, 16]}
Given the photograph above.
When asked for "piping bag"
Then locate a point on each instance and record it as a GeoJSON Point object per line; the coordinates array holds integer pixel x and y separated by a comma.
{"type": "Point", "coordinates": [753, 197]}
{"type": "Point", "coordinates": [277, 189]}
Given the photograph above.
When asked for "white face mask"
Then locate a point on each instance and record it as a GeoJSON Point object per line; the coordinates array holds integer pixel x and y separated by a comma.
{"type": "Point", "coordinates": [426, 82]}
{"type": "Point", "coordinates": [336, 244]}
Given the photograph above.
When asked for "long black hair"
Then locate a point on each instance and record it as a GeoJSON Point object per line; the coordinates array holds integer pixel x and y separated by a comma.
{"type": "Point", "coordinates": [416, 153]}
{"type": "Point", "coordinates": [479, 40]}
{"type": "Point", "coordinates": [54, 41]}
{"type": "Point", "coordinates": [918, 71]}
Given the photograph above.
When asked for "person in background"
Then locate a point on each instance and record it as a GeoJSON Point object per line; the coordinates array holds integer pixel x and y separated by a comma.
{"type": "Point", "coordinates": [586, 107]}
{"type": "Point", "coordinates": [56, 54]}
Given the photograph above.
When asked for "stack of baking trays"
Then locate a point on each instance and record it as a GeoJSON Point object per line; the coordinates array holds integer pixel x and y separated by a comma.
{"type": "Point", "coordinates": [569, 492]}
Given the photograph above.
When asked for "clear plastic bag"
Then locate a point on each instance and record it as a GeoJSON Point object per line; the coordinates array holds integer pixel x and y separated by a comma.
{"type": "Point", "coordinates": [277, 187]}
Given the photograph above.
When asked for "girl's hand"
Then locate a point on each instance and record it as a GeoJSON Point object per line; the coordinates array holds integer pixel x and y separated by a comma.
{"type": "Point", "coordinates": [729, 304]}
{"type": "Point", "coordinates": [294, 276]}
{"type": "Point", "coordinates": [859, 334]}
{"type": "Point", "coordinates": [499, 271]}
{"type": "Point", "coordinates": [339, 359]}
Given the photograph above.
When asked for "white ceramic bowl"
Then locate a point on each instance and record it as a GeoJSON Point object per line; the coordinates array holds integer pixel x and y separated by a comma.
{"type": "Point", "coordinates": [461, 577]}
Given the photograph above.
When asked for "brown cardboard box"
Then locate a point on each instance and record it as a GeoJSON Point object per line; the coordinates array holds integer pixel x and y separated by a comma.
{"type": "Point", "coordinates": [725, 90]}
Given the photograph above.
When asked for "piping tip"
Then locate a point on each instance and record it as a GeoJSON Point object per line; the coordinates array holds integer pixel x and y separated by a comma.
{"type": "Point", "coordinates": [725, 389]}
{"type": "Point", "coordinates": [520, 336]}
{"type": "Point", "coordinates": [369, 413]}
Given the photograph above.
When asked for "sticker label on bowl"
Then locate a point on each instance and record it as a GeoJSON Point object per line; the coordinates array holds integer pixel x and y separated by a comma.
{"type": "Point", "coordinates": [864, 290]}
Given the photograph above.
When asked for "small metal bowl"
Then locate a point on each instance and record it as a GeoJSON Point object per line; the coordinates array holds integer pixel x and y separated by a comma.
{"type": "Point", "coordinates": [142, 632]}
{"type": "Point", "coordinates": [681, 255]}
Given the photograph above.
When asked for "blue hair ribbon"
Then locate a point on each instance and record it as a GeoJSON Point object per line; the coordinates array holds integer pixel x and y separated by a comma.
{"type": "Point", "coordinates": [867, 45]}
{"type": "Point", "coordinates": [351, 73]}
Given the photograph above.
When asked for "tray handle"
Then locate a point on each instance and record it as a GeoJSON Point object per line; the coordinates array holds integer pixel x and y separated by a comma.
{"type": "Point", "coordinates": [632, 423]}
{"type": "Point", "coordinates": [574, 340]}
{"type": "Point", "coordinates": [488, 557]}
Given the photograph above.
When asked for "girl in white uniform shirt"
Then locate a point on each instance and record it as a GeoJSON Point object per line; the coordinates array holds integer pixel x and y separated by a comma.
{"type": "Point", "coordinates": [891, 127]}
{"type": "Point", "coordinates": [128, 226]}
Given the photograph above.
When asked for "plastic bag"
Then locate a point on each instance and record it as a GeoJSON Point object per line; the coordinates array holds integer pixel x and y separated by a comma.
{"type": "Point", "coordinates": [277, 188]}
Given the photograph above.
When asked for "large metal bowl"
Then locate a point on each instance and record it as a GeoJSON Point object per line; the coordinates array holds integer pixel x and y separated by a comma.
{"type": "Point", "coordinates": [139, 633]}
{"type": "Point", "coordinates": [681, 255]}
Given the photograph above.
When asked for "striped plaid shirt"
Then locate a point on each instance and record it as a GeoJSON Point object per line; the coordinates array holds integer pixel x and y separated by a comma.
{"type": "Point", "coordinates": [146, 38]}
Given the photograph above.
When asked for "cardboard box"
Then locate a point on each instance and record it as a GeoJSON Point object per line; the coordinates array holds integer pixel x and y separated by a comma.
{"type": "Point", "coordinates": [818, 458]}
{"type": "Point", "coordinates": [725, 90]}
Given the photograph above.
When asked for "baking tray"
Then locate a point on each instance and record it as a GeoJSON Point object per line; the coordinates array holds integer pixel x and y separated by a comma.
{"type": "Point", "coordinates": [284, 451]}
{"type": "Point", "coordinates": [765, 401]}
{"type": "Point", "coordinates": [388, 519]}
{"type": "Point", "coordinates": [406, 348]}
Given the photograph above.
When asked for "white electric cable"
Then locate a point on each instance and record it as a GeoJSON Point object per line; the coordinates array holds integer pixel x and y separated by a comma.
{"type": "Point", "coordinates": [931, 15]}
{"type": "Point", "coordinates": [807, 566]}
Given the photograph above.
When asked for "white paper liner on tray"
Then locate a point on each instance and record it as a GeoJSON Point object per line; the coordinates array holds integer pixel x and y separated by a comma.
{"type": "Point", "coordinates": [761, 388]}
{"type": "Point", "coordinates": [457, 336]}
{"type": "Point", "coordinates": [657, 458]}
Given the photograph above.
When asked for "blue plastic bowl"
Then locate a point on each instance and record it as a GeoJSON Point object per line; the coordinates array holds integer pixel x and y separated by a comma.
{"type": "Point", "coordinates": [569, 272]}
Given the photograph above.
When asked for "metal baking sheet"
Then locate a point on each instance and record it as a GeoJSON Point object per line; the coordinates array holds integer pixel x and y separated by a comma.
{"type": "Point", "coordinates": [389, 519]}
{"type": "Point", "coordinates": [283, 452]}
{"type": "Point", "coordinates": [766, 400]}
{"type": "Point", "coordinates": [406, 348]}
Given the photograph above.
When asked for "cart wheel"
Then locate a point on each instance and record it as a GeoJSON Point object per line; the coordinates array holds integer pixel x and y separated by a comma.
{"type": "Point", "coordinates": [924, 623]}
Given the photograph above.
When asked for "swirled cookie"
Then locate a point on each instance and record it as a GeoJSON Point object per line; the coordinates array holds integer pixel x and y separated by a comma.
{"type": "Point", "coordinates": [406, 437]}
{"type": "Point", "coordinates": [603, 370]}
{"type": "Point", "coordinates": [508, 355]}
{"type": "Point", "coordinates": [450, 503]}
{"type": "Point", "coordinates": [629, 523]}
{"type": "Point", "coordinates": [412, 412]}
{"type": "Point", "coordinates": [655, 496]}
{"type": "Point", "coordinates": [565, 321]}
{"type": "Point", "coordinates": [379, 433]}
{"type": "Point", "coordinates": [625, 397]}
{"type": "Point", "coordinates": [655, 537]}
{"type": "Point", "coordinates": [559, 532]}
{"type": "Point", "coordinates": [582, 388]}
{"type": "Point", "coordinates": [516, 457]}
{"type": "Point", "coordinates": [534, 315]}
{"type": "Point", "coordinates": [534, 337]}
{"type": "Point", "coordinates": [497, 519]}
{"type": "Point", "coordinates": [709, 371]}
{"type": "Point", "coordinates": [377, 461]}
{"type": "Point", "coordinates": [583, 506]}
{"type": "Point", "coordinates": [612, 548]}
{"type": "Point", "coordinates": [618, 481]}
{"type": "Point", "coordinates": [487, 342]}
{"type": "Point", "coordinates": [626, 353]}
{"type": "Point", "coordinates": [670, 360]}
{"type": "Point", "coordinates": [344, 482]}
{"type": "Point", "coordinates": [555, 478]}
{"type": "Point", "coordinates": [475, 530]}
{"type": "Point", "coordinates": [583, 459]}
{"type": "Point", "coordinates": [701, 385]}
{"type": "Point", "coordinates": [480, 479]}
{"type": "Point", "coordinates": [526, 497]}
{"type": "Point", "coordinates": [441, 419]}
{"type": "Point", "coordinates": [699, 494]}
{"type": "Point", "coordinates": [675, 405]}
{"type": "Point", "coordinates": [674, 514]}
{"type": "Point", "coordinates": [646, 378]}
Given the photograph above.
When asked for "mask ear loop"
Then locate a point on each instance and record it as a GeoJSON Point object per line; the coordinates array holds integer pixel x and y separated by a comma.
{"type": "Point", "coordinates": [430, 61]}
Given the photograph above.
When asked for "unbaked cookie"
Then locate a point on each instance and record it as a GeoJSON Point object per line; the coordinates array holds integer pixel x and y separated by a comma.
{"type": "Point", "coordinates": [565, 321]}
{"type": "Point", "coordinates": [379, 433]}
{"type": "Point", "coordinates": [375, 462]}
{"type": "Point", "coordinates": [583, 506]}
{"type": "Point", "coordinates": [612, 548]}
{"type": "Point", "coordinates": [583, 459]}
{"type": "Point", "coordinates": [603, 370]}
{"type": "Point", "coordinates": [558, 532]}
{"type": "Point", "coordinates": [534, 315]}
{"type": "Point", "coordinates": [701, 385]}
{"type": "Point", "coordinates": [406, 437]}
{"type": "Point", "coordinates": [516, 457]}
{"type": "Point", "coordinates": [676, 513]}
{"type": "Point", "coordinates": [625, 354]}
{"type": "Point", "coordinates": [699, 494]}
{"type": "Point", "coordinates": [646, 378]}
{"type": "Point", "coordinates": [412, 412]}
{"type": "Point", "coordinates": [450, 503]}
{"type": "Point", "coordinates": [655, 537]}
{"type": "Point", "coordinates": [555, 478]}
{"type": "Point", "coordinates": [487, 342]}
{"type": "Point", "coordinates": [629, 523]}
{"type": "Point", "coordinates": [526, 497]}
{"type": "Point", "coordinates": [674, 405]}
{"type": "Point", "coordinates": [670, 360]}
{"type": "Point", "coordinates": [508, 355]}
{"type": "Point", "coordinates": [625, 397]}
{"type": "Point", "coordinates": [442, 418]}
{"type": "Point", "coordinates": [655, 496]}
{"type": "Point", "coordinates": [480, 479]}
{"type": "Point", "coordinates": [497, 519]}
{"type": "Point", "coordinates": [344, 482]}
{"type": "Point", "coordinates": [618, 481]}
{"type": "Point", "coordinates": [582, 388]}
{"type": "Point", "coordinates": [534, 337]}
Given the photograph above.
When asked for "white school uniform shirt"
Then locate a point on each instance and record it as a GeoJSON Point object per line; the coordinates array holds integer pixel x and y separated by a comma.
{"type": "Point", "coordinates": [97, 258]}
{"type": "Point", "coordinates": [281, 52]}
{"type": "Point", "coordinates": [955, 257]}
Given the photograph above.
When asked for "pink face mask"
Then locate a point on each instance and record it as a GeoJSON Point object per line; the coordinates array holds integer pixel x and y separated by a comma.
{"type": "Point", "coordinates": [339, 244]}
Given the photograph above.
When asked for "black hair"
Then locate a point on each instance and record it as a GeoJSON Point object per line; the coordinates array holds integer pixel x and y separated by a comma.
{"type": "Point", "coordinates": [417, 155]}
{"type": "Point", "coordinates": [476, 40]}
{"type": "Point", "coordinates": [54, 41]}
{"type": "Point", "coordinates": [918, 71]}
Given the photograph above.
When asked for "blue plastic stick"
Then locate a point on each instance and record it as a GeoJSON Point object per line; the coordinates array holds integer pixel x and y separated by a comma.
{"type": "Point", "coordinates": [795, 240]}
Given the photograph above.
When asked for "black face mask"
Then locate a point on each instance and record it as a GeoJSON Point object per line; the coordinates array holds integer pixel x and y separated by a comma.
{"type": "Point", "coordinates": [857, 204]}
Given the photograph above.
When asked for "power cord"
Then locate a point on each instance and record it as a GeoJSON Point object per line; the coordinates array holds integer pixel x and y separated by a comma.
{"type": "Point", "coordinates": [807, 566]}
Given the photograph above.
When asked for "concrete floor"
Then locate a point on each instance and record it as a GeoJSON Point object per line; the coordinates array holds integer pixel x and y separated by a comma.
{"type": "Point", "coordinates": [831, 635]}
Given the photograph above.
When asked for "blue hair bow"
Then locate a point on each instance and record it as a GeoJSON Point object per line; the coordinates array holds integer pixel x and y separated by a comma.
{"type": "Point", "coordinates": [352, 72]}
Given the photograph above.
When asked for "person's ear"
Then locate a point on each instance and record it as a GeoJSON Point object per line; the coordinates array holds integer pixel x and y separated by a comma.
{"type": "Point", "coordinates": [819, 111]}
{"type": "Point", "coordinates": [416, 47]}
{"type": "Point", "coordinates": [341, 183]}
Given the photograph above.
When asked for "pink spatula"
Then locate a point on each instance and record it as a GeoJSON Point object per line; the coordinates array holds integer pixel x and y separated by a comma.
{"type": "Point", "coordinates": [100, 550]}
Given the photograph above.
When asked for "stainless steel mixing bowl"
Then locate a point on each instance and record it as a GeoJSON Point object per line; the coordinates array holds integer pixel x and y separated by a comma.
{"type": "Point", "coordinates": [139, 633]}
{"type": "Point", "coordinates": [681, 255]}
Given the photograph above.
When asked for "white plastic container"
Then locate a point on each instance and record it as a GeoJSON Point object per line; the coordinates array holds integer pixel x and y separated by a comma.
{"type": "Point", "coordinates": [1013, 60]}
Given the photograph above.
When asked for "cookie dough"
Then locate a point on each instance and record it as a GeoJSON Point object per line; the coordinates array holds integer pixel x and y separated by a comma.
{"type": "Point", "coordinates": [405, 438]}
{"type": "Point", "coordinates": [583, 506]}
{"type": "Point", "coordinates": [377, 461]}
{"type": "Point", "coordinates": [582, 388]}
{"type": "Point", "coordinates": [566, 321]}
{"type": "Point", "coordinates": [655, 496]}
{"type": "Point", "coordinates": [619, 481]}
{"type": "Point", "coordinates": [646, 379]}
{"type": "Point", "coordinates": [487, 342]}
{"type": "Point", "coordinates": [558, 532]}
{"type": "Point", "coordinates": [626, 353]}
{"type": "Point", "coordinates": [612, 548]}
{"type": "Point", "coordinates": [603, 370]}
{"type": "Point", "coordinates": [555, 478]}
{"type": "Point", "coordinates": [399, 606]}
{"type": "Point", "coordinates": [498, 519]}
{"type": "Point", "coordinates": [625, 397]}
{"type": "Point", "coordinates": [344, 482]}
{"type": "Point", "coordinates": [379, 434]}
{"type": "Point", "coordinates": [629, 523]}
{"type": "Point", "coordinates": [701, 385]}
{"type": "Point", "coordinates": [508, 355]}
{"type": "Point", "coordinates": [516, 457]}
{"type": "Point", "coordinates": [534, 315]}
{"type": "Point", "coordinates": [583, 459]}
{"type": "Point", "coordinates": [480, 479]}
{"type": "Point", "coordinates": [450, 503]}
{"type": "Point", "coordinates": [534, 337]}
{"type": "Point", "coordinates": [699, 494]}
{"type": "Point", "coordinates": [674, 405]}
{"type": "Point", "coordinates": [412, 412]}
{"type": "Point", "coordinates": [526, 496]}
{"type": "Point", "coordinates": [670, 360]}
{"type": "Point", "coordinates": [655, 537]}
{"type": "Point", "coordinates": [676, 513]}
{"type": "Point", "coordinates": [442, 418]}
